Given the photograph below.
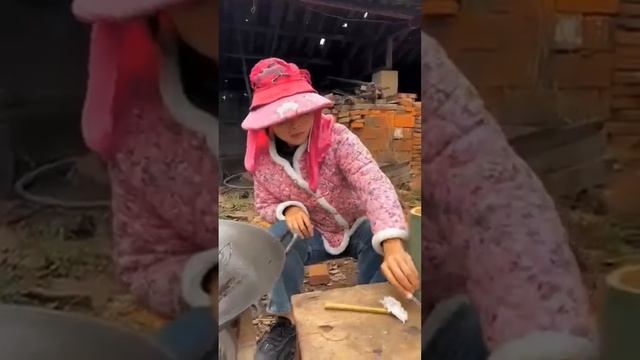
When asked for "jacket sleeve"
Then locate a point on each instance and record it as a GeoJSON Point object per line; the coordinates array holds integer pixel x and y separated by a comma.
{"type": "Point", "coordinates": [521, 274]}
{"type": "Point", "coordinates": [160, 271]}
{"type": "Point", "coordinates": [374, 188]}
{"type": "Point", "coordinates": [267, 205]}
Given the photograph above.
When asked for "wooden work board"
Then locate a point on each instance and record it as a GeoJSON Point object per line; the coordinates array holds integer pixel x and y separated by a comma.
{"type": "Point", "coordinates": [331, 334]}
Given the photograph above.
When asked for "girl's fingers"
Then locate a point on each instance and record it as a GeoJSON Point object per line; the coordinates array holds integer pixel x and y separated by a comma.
{"type": "Point", "coordinates": [409, 270]}
{"type": "Point", "coordinates": [308, 226]}
{"type": "Point", "coordinates": [290, 225]}
{"type": "Point", "coordinates": [394, 266]}
{"type": "Point", "coordinates": [301, 227]}
{"type": "Point", "coordinates": [390, 277]}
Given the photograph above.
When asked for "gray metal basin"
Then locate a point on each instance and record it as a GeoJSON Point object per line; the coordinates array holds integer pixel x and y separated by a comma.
{"type": "Point", "coordinates": [28, 333]}
{"type": "Point", "coordinates": [250, 262]}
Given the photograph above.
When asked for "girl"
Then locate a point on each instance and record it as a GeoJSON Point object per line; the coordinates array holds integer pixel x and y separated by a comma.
{"type": "Point", "coordinates": [494, 235]}
{"type": "Point", "coordinates": [315, 179]}
{"type": "Point", "coordinates": [150, 112]}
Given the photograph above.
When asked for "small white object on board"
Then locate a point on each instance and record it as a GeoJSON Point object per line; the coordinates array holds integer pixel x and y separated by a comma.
{"type": "Point", "coordinates": [395, 307]}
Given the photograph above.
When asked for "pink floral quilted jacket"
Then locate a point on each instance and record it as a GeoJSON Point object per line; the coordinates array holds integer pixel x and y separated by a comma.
{"type": "Point", "coordinates": [164, 180]}
{"type": "Point", "coordinates": [351, 188]}
{"type": "Point", "coordinates": [490, 229]}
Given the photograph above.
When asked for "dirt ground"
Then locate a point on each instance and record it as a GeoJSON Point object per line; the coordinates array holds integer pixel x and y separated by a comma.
{"type": "Point", "coordinates": [60, 259]}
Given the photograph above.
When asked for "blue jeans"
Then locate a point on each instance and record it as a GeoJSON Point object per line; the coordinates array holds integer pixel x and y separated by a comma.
{"type": "Point", "coordinates": [311, 251]}
{"type": "Point", "coordinates": [193, 336]}
{"type": "Point", "coordinates": [452, 331]}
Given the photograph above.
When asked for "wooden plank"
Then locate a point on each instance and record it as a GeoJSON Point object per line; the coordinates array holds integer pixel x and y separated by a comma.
{"type": "Point", "coordinates": [567, 156]}
{"type": "Point", "coordinates": [625, 91]}
{"type": "Point", "coordinates": [569, 182]}
{"type": "Point", "coordinates": [626, 77]}
{"type": "Point", "coordinates": [325, 334]}
{"type": "Point", "coordinates": [588, 6]}
{"type": "Point", "coordinates": [246, 337]}
{"type": "Point", "coordinates": [623, 129]}
{"type": "Point", "coordinates": [542, 140]}
{"type": "Point", "coordinates": [627, 116]}
{"type": "Point", "coordinates": [626, 148]}
{"type": "Point", "coordinates": [625, 103]}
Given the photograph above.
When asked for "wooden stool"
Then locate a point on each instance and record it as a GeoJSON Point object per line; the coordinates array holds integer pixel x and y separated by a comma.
{"type": "Point", "coordinates": [330, 334]}
{"type": "Point", "coordinates": [246, 336]}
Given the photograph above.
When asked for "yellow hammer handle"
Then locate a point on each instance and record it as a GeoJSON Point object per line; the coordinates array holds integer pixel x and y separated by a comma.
{"type": "Point", "coordinates": [356, 308]}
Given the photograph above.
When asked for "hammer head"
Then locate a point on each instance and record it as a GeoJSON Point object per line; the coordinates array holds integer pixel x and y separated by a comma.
{"type": "Point", "coordinates": [395, 308]}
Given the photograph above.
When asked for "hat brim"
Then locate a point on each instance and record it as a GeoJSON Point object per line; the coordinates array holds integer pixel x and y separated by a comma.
{"type": "Point", "coordinates": [99, 10]}
{"type": "Point", "coordinates": [285, 109]}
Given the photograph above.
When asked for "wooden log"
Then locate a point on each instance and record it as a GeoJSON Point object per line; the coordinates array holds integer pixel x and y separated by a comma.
{"type": "Point", "coordinates": [620, 317]}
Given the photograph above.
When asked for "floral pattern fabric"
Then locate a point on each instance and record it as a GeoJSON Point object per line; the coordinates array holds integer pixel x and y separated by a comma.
{"type": "Point", "coordinates": [490, 230]}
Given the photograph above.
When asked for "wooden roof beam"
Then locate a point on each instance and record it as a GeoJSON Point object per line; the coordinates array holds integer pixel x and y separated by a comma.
{"type": "Point", "coordinates": [390, 11]}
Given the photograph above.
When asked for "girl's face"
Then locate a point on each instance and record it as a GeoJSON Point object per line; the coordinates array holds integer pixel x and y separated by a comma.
{"type": "Point", "coordinates": [197, 25]}
{"type": "Point", "coordinates": [295, 131]}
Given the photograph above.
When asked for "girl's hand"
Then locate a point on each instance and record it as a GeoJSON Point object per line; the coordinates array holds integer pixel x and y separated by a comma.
{"type": "Point", "coordinates": [398, 267]}
{"type": "Point", "coordinates": [298, 222]}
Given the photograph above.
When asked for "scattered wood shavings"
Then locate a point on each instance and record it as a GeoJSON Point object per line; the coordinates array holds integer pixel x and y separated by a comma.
{"type": "Point", "coordinates": [395, 307]}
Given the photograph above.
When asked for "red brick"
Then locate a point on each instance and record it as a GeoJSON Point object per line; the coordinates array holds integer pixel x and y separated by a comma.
{"type": "Point", "coordinates": [375, 121]}
{"type": "Point", "coordinates": [568, 32]}
{"type": "Point", "coordinates": [630, 9]}
{"type": "Point", "coordinates": [588, 6]}
{"type": "Point", "coordinates": [379, 143]}
{"type": "Point", "coordinates": [621, 90]}
{"type": "Point", "coordinates": [440, 7]}
{"type": "Point", "coordinates": [571, 70]}
{"type": "Point", "coordinates": [624, 37]}
{"type": "Point", "coordinates": [597, 33]}
{"type": "Point", "coordinates": [627, 62]}
{"type": "Point", "coordinates": [403, 121]}
{"type": "Point", "coordinates": [368, 133]}
{"type": "Point", "coordinates": [516, 68]}
{"type": "Point", "coordinates": [319, 274]}
{"type": "Point", "coordinates": [402, 145]}
{"type": "Point", "coordinates": [401, 156]}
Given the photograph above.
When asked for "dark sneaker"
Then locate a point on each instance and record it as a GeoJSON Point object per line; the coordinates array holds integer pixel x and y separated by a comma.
{"type": "Point", "coordinates": [279, 343]}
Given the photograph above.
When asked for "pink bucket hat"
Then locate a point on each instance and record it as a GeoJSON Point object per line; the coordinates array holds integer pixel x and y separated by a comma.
{"type": "Point", "coordinates": [281, 91]}
{"type": "Point", "coordinates": [121, 53]}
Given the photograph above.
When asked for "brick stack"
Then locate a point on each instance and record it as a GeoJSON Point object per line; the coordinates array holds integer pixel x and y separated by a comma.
{"type": "Point", "coordinates": [538, 65]}
{"type": "Point", "coordinates": [624, 127]}
{"type": "Point", "coordinates": [388, 129]}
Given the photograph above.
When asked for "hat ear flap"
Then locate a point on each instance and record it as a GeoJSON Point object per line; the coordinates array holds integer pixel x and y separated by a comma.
{"type": "Point", "coordinates": [306, 75]}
